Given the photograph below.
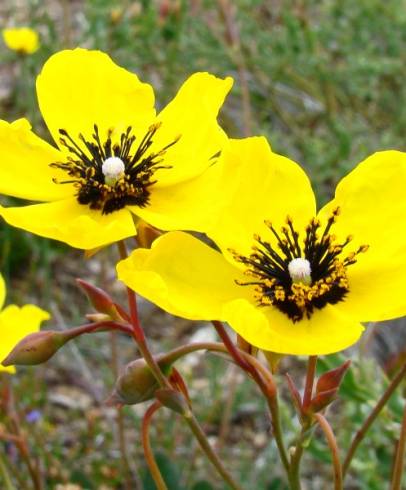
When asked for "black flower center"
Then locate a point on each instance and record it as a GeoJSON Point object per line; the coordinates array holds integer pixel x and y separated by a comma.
{"type": "Point", "coordinates": [86, 165]}
{"type": "Point", "coordinates": [296, 276]}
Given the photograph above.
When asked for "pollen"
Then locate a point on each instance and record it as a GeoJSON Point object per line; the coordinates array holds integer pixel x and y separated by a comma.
{"type": "Point", "coordinates": [113, 169]}
{"type": "Point", "coordinates": [299, 276]}
{"type": "Point", "coordinates": [300, 270]}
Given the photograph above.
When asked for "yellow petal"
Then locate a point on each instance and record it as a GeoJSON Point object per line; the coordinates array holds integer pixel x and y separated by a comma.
{"type": "Point", "coordinates": [22, 39]}
{"type": "Point", "coordinates": [15, 324]}
{"type": "Point", "coordinates": [373, 209]}
{"type": "Point", "coordinates": [192, 115]}
{"type": "Point", "coordinates": [190, 205]}
{"type": "Point", "coordinates": [72, 223]}
{"type": "Point", "coordinates": [183, 276]}
{"type": "Point", "coordinates": [261, 186]}
{"type": "Point", "coordinates": [327, 330]}
{"type": "Point", "coordinates": [377, 289]}
{"type": "Point", "coordinates": [2, 291]}
{"type": "Point", "coordinates": [24, 168]}
{"type": "Point", "coordinates": [79, 88]}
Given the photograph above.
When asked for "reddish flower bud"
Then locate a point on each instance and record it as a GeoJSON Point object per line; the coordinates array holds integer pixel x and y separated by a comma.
{"type": "Point", "coordinates": [332, 379]}
{"type": "Point", "coordinates": [99, 299]}
{"type": "Point", "coordinates": [322, 400]}
{"type": "Point", "coordinates": [36, 348]}
{"type": "Point", "coordinates": [136, 383]}
{"type": "Point", "coordinates": [327, 387]}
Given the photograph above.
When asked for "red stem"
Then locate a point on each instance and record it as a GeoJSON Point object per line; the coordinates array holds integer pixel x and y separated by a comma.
{"type": "Point", "coordinates": [146, 444]}
{"type": "Point", "coordinates": [241, 361]}
{"type": "Point", "coordinates": [308, 391]}
{"type": "Point", "coordinates": [331, 440]}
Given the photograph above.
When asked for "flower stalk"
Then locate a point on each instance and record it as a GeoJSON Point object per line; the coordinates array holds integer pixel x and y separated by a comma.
{"type": "Point", "coordinates": [308, 391]}
{"type": "Point", "coordinates": [138, 333]}
{"type": "Point", "coordinates": [399, 456]}
{"type": "Point", "coordinates": [332, 443]}
{"type": "Point", "coordinates": [146, 444]}
{"type": "Point", "coordinates": [361, 433]}
{"type": "Point", "coordinates": [208, 450]}
{"type": "Point", "coordinates": [266, 384]}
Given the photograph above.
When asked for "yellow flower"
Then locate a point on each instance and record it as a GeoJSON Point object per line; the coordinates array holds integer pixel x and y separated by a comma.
{"type": "Point", "coordinates": [24, 40]}
{"type": "Point", "coordinates": [116, 158]}
{"type": "Point", "coordinates": [290, 280]}
{"type": "Point", "coordinates": [16, 323]}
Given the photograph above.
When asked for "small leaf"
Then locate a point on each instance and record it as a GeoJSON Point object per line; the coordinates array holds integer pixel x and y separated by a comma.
{"type": "Point", "coordinates": [321, 400]}
{"type": "Point", "coordinates": [295, 394]}
{"type": "Point", "coordinates": [332, 379]}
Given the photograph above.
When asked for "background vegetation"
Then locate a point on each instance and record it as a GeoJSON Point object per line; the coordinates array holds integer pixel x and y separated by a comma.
{"type": "Point", "coordinates": [324, 81]}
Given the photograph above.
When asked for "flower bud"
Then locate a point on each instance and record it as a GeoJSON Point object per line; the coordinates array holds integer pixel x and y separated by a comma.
{"type": "Point", "coordinates": [322, 400]}
{"type": "Point", "coordinates": [36, 348]}
{"type": "Point", "coordinates": [332, 379]}
{"type": "Point", "coordinates": [99, 299]}
{"type": "Point", "coordinates": [327, 387]}
{"type": "Point", "coordinates": [136, 383]}
{"type": "Point", "coordinates": [174, 400]}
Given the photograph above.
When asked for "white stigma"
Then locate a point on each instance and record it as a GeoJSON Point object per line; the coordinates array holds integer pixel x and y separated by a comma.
{"type": "Point", "coordinates": [300, 271]}
{"type": "Point", "coordinates": [113, 169]}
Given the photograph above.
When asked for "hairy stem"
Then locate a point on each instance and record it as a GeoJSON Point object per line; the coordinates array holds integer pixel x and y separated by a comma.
{"type": "Point", "coordinates": [119, 416]}
{"type": "Point", "coordinates": [294, 470]}
{"type": "Point", "coordinates": [8, 485]}
{"type": "Point", "coordinates": [265, 382]}
{"type": "Point", "coordinates": [359, 436]}
{"type": "Point", "coordinates": [138, 333]}
{"type": "Point", "coordinates": [400, 456]}
{"type": "Point", "coordinates": [208, 450]}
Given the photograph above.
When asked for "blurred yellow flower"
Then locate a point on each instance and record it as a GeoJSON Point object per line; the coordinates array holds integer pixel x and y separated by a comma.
{"type": "Point", "coordinates": [24, 40]}
{"type": "Point", "coordinates": [16, 323]}
{"type": "Point", "coordinates": [301, 282]}
{"type": "Point", "coordinates": [116, 159]}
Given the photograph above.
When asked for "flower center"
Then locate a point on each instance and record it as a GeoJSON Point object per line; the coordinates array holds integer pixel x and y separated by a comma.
{"type": "Point", "coordinates": [298, 277]}
{"type": "Point", "coordinates": [109, 176]}
{"type": "Point", "coordinates": [300, 270]}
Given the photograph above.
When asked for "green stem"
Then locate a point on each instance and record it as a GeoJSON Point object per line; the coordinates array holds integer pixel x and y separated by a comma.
{"type": "Point", "coordinates": [294, 467]}
{"type": "Point", "coordinates": [208, 450]}
{"type": "Point", "coordinates": [400, 456]}
{"type": "Point", "coordinates": [277, 431]}
{"type": "Point", "coordinates": [359, 436]}
{"type": "Point", "coordinates": [294, 470]}
{"type": "Point", "coordinates": [6, 477]}
{"type": "Point", "coordinates": [265, 382]}
{"type": "Point", "coordinates": [119, 416]}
